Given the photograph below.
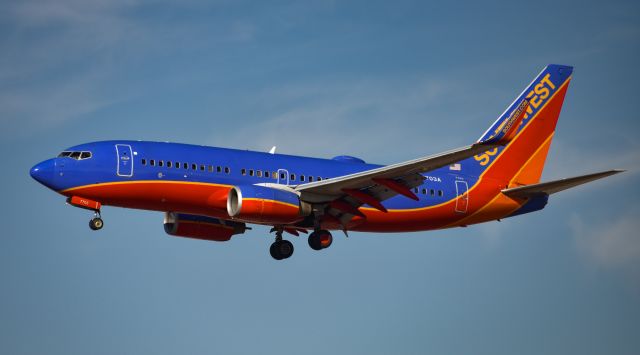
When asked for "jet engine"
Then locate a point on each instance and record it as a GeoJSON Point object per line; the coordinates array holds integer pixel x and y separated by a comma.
{"type": "Point", "coordinates": [261, 204]}
{"type": "Point", "coordinates": [201, 227]}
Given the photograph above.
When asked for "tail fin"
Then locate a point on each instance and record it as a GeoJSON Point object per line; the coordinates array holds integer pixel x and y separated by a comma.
{"type": "Point", "coordinates": [526, 127]}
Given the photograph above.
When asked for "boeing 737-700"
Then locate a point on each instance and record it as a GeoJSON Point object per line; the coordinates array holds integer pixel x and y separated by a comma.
{"type": "Point", "coordinates": [213, 193]}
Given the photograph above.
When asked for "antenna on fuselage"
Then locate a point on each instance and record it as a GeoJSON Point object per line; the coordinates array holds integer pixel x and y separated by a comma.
{"type": "Point", "coordinates": [273, 150]}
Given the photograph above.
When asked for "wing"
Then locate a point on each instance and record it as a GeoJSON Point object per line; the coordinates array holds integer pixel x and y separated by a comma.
{"type": "Point", "coordinates": [343, 195]}
{"type": "Point", "coordinates": [408, 172]}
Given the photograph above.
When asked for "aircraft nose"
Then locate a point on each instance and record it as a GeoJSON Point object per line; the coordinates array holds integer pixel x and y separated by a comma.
{"type": "Point", "coordinates": [44, 172]}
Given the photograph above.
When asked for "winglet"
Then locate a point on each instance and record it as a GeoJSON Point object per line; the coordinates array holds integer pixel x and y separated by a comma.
{"type": "Point", "coordinates": [508, 128]}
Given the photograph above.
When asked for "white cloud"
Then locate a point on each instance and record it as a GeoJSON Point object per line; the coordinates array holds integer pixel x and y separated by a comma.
{"type": "Point", "coordinates": [391, 120]}
{"type": "Point", "coordinates": [567, 160]}
{"type": "Point", "coordinates": [613, 244]}
{"type": "Point", "coordinates": [44, 12]}
{"type": "Point", "coordinates": [491, 233]}
{"type": "Point", "coordinates": [40, 108]}
{"type": "Point", "coordinates": [62, 59]}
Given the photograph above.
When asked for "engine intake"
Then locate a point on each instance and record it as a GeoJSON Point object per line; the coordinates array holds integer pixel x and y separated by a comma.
{"type": "Point", "coordinates": [201, 227]}
{"type": "Point", "coordinates": [261, 204]}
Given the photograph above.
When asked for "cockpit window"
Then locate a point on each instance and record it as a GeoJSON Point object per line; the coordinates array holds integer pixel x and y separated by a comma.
{"type": "Point", "coordinates": [75, 155]}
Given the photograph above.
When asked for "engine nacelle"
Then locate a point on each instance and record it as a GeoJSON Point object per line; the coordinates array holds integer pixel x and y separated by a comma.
{"type": "Point", "coordinates": [201, 227]}
{"type": "Point", "coordinates": [261, 204]}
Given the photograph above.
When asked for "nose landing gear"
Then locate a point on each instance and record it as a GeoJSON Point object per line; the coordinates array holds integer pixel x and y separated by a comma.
{"type": "Point", "coordinates": [96, 222]}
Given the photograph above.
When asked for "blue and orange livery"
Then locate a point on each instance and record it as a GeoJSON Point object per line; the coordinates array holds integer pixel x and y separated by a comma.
{"type": "Point", "coordinates": [213, 193]}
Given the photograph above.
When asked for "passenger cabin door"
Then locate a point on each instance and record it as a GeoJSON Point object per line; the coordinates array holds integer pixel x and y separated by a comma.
{"type": "Point", "coordinates": [125, 160]}
{"type": "Point", "coordinates": [462, 196]}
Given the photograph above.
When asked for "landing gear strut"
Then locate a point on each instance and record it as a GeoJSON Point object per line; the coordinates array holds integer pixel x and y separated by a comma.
{"type": "Point", "coordinates": [320, 239]}
{"type": "Point", "coordinates": [281, 248]}
{"type": "Point", "coordinates": [96, 222]}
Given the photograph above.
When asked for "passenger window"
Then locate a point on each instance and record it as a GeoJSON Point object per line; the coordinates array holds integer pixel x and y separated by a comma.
{"type": "Point", "coordinates": [168, 164]}
{"type": "Point", "coordinates": [201, 167]}
{"type": "Point", "coordinates": [432, 192]}
{"type": "Point", "coordinates": [292, 177]}
{"type": "Point", "coordinates": [243, 171]}
{"type": "Point", "coordinates": [177, 165]}
{"type": "Point", "coordinates": [194, 166]}
{"type": "Point", "coordinates": [259, 173]}
{"type": "Point", "coordinates": [319, 178]}
{"type": "Point", "coordinates": [310, 178]}
{"type": "Point", "coordinates": [250, 172]}
{"type": "Point", "coordinates": [160, 163]}
{"type": "Point", "coordinates": [152, 162]}
{"type": "Point", "coordinates": [210, 168]}
{"type": "Point", "coordinates": [144, 161]}
{"type": "Point", "coordinates": [185, 165]}
{"type": "Point", "coordinates": [440, 193]}
{"type": "Point", "coordinates": [415, 190]}
{"type": "Point", "coordinates": [424, 191]}
{"type": "Point", "coordinates": [219, 169]}
{"type": "Point", "coordinates": [301, 177]}
{"type": "Point", "coordinates": [227, 170]}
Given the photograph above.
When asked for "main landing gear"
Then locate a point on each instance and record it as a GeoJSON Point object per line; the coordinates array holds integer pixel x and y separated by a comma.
{"type": "Point", "coordinates": [320, 239]}
{"type": "Point", "coordinates": [96, 222]}
{"type": "Point", "coordinates": [281, 248]}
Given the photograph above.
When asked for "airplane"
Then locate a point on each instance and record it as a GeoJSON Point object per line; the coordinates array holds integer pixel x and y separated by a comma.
{"type": "Point", "coordinates": [212, 193]}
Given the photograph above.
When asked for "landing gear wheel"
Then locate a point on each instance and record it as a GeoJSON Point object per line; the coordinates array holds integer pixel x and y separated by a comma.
{"type": "Point", "coordinates": [281, 249]}
{"type": "Point", "coordinates": [314, 241]}
{"type": "Point", "coordinates": [96, 223]}
{"type": "Point", "coordinates": [319, 240]}
{"type": "Point", "coordinates": [326, 239]}
{"type": "Point", "coordinates": [285, 248]}
{"type": "Point", "coordinates": [273, 250]}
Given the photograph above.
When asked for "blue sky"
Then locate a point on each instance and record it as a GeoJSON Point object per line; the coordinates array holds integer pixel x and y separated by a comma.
{"type": "Point", "coordinates": [385, 81]}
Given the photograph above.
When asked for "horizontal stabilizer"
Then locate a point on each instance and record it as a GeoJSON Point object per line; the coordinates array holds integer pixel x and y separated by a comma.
{"type": "Point", "coordinates": [551, 187]}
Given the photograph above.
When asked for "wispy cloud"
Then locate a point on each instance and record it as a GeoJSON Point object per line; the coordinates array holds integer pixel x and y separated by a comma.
{"type": "Point", "coordinates": [566, 160]}
{"type": "Point", "coordinates": [613, 244]}
{"type": "Point", "coordinates": [394, 120]}
{"type": "Point", "coordinates": [66, 59]}
{"type": "Point", "coordinates": [41, 108]}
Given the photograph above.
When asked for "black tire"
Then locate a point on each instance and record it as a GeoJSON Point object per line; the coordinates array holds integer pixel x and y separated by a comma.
{"type": "Point", "coordinates": [314, 241]}
{"type": "Point", "coordinates": [96, 224]}
{"type": "Point", "coordinates": [285, 248]}
{"type": "Point", "coordinates": [274, 250]}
